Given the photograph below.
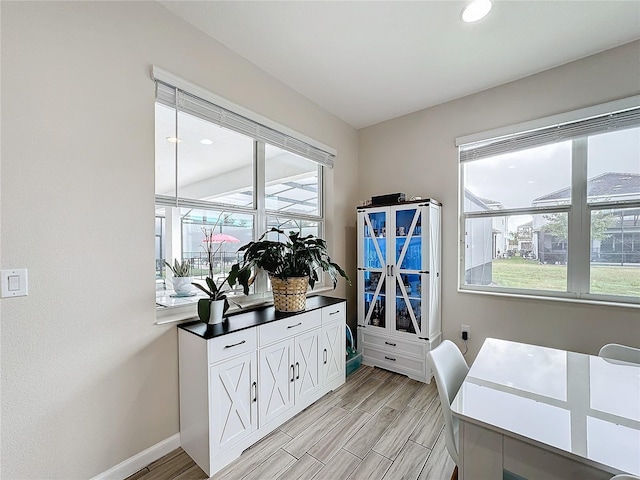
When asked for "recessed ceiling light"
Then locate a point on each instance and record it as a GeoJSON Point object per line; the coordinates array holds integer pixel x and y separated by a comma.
{"type": "Point", "coordinates": [475, 10]}
{"type": "Point", "coordinates": [173, 140]}
{"type": "Point", "coordinates": [206, 141]}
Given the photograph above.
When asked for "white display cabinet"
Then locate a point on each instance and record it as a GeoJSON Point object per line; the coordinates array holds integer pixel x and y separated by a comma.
{"type": "Point", "coordinates": [399, 285]}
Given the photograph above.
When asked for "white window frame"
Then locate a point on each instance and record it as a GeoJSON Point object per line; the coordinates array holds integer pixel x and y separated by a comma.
{"type": "Point", "coordinates": [578, 211]}
{"type": "Point", "coordinates": [259, 211]}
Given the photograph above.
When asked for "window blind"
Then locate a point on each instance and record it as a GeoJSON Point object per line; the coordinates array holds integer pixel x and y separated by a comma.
{"type": "Point", "coordinates": [198, 107]}
{"type": "Point", "coordinates": [619, 120]}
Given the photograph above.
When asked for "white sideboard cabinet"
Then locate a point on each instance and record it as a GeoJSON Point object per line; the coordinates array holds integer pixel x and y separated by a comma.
{"type": "Point", "coordinates": [399, 286]}
{"type": "Point", "coordinates": [241, 379]}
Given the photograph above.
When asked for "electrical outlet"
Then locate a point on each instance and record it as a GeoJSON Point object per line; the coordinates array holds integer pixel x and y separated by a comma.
{"type": "Point", "coordinates": [467, 329]}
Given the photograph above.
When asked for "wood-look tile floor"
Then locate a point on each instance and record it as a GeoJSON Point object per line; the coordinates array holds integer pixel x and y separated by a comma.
{"type": "Point", "coordinates": [378, 425]}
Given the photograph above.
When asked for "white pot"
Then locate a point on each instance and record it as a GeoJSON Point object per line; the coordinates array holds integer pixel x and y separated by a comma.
{"type": "Point", "coordinates": [182, 285]}
{"type": "Point", "coordinates": [216, 311]}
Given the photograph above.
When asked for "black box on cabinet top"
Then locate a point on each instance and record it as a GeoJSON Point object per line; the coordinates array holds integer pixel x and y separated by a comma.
{"type": "Point", "coordinates": [389, 198]}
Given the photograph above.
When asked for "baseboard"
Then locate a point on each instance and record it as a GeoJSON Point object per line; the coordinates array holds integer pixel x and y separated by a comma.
{"type": "Point", "coordinates": [140, 460]}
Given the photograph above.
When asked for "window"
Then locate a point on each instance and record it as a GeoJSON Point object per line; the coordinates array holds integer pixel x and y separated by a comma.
{"type": "Point", "coordinates": [291, 183]}
{"type": "Point", "coordinates": [224, 176]}
{"type": "Point", "coordinates": [552, 207]}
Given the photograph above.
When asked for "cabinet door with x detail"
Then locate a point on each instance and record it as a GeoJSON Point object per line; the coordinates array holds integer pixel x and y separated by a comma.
{"type": "Point", "coordinates": [234, 413]}
{"type": "Point", "coordinates": [307, 366]}
{"type": "Point", "coordinates": [277, 376]}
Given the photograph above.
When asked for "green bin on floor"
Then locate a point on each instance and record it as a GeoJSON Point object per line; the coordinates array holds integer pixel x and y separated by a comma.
{"type": "Point", "coordinates": [354, 360]}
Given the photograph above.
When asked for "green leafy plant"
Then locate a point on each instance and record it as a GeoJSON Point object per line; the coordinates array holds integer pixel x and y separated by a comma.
{"type": "Point", "coordinates": [297, 256]}
{"type": "Point", "coordinates": [180, 269]}
{"type": "Point", "coordinates": [217, 292]}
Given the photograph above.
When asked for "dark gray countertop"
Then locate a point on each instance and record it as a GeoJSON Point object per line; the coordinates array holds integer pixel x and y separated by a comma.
{"type": "Point", "coordinates": [252, 318]}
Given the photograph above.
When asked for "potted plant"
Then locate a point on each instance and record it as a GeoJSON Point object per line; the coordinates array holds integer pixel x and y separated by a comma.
{"type": "Point", "coordinates": [211, 310]}
{"type": "Point", "coordinates": [181, 277]}
{"type": "Point", "coordinates": [292, 265]}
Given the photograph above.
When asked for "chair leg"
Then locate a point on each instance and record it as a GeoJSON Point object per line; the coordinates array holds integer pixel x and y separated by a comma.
{"type": "Point", "coordinates": [454, 475]}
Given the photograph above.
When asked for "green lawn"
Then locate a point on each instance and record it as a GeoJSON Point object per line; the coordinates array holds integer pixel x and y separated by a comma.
{"type": "Point", "coordinates": [517, 272]}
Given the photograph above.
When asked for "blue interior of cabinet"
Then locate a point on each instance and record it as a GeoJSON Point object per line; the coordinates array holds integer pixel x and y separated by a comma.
{"type": "Point", "coordinates": [371, 257]}
{"type": "Point", "coordinates": [404, 219]}
{"type": "Point", "coordinates": [412, 258]}
{"type": "Point", "coordinates": [371, 281]}
{"type": "Point", "coordinates": [378, 223]}
{"type": "Point", "coordinates": [375, 304]}
{"type": "Point", "coordinates": [403, 318]}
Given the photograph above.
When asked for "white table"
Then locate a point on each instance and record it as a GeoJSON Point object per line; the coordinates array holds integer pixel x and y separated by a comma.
{"type": "Point", "coordinates": [533, 412]}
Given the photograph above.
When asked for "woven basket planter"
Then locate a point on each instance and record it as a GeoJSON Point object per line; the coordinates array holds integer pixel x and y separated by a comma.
{"type": "Point", "coordinates": [289, 295]}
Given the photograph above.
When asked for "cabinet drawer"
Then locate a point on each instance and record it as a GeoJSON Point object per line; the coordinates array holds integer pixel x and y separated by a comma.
{"type": "Point", "coordinates": [227, 346]}
{"type": "Point", "coordinates": [334, 312]}
{"type": "Point", "coordinates": [288, 327]}
{"type": "Point", "coordinates": [393, 360]}
{"type": "Point", "coordinates": [393, 345]}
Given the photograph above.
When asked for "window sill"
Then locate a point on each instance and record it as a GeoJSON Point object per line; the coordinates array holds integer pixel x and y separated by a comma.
{"type": "Point", "coordinates": [186, 311]}
{"type": "Point", "coordinates": [528, 296]}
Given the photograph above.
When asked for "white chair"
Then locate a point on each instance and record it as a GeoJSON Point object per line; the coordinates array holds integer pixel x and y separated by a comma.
{"type": "Point", "coordinates": [622, 353]}
{"type": "Point", "coordinates": [449, 370]}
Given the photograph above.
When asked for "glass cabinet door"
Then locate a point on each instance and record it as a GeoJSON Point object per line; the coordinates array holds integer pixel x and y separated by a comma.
{"type": "Point", "coordinates": [375, 299]}
{"type": "Point", "coordinates": [374, 267]}
{"type": "Point", "coordinates": [409, 274]}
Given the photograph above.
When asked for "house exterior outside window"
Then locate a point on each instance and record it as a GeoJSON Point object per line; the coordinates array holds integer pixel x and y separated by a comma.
{"type": "Point", "coordinates": [553, 209]}
{"type": "Point", "coordinates": [618, 239]}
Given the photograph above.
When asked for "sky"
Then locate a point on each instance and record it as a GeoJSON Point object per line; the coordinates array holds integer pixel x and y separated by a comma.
{"type": "Point", "coordinates": [516, 179]}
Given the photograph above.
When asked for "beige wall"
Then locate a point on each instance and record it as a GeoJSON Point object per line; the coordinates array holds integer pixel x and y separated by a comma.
{"type": "Point", "coordinates": [415, 154]}
{"type": "Point", "coordinates": [88, 380]}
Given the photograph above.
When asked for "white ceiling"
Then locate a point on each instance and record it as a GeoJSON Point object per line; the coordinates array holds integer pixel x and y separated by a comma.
{"type": "Point", "coordinates": [367, 62]}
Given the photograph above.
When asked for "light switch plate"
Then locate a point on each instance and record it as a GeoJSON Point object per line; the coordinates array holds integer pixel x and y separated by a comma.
{"type": "Point", "coordinates": [14, 283]}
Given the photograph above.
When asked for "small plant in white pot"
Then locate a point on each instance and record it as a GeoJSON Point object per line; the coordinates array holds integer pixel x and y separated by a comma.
{"type": "Point", "coordinates": [182, 278]}
{"type": "Point", "coordinates": [211, 310]}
